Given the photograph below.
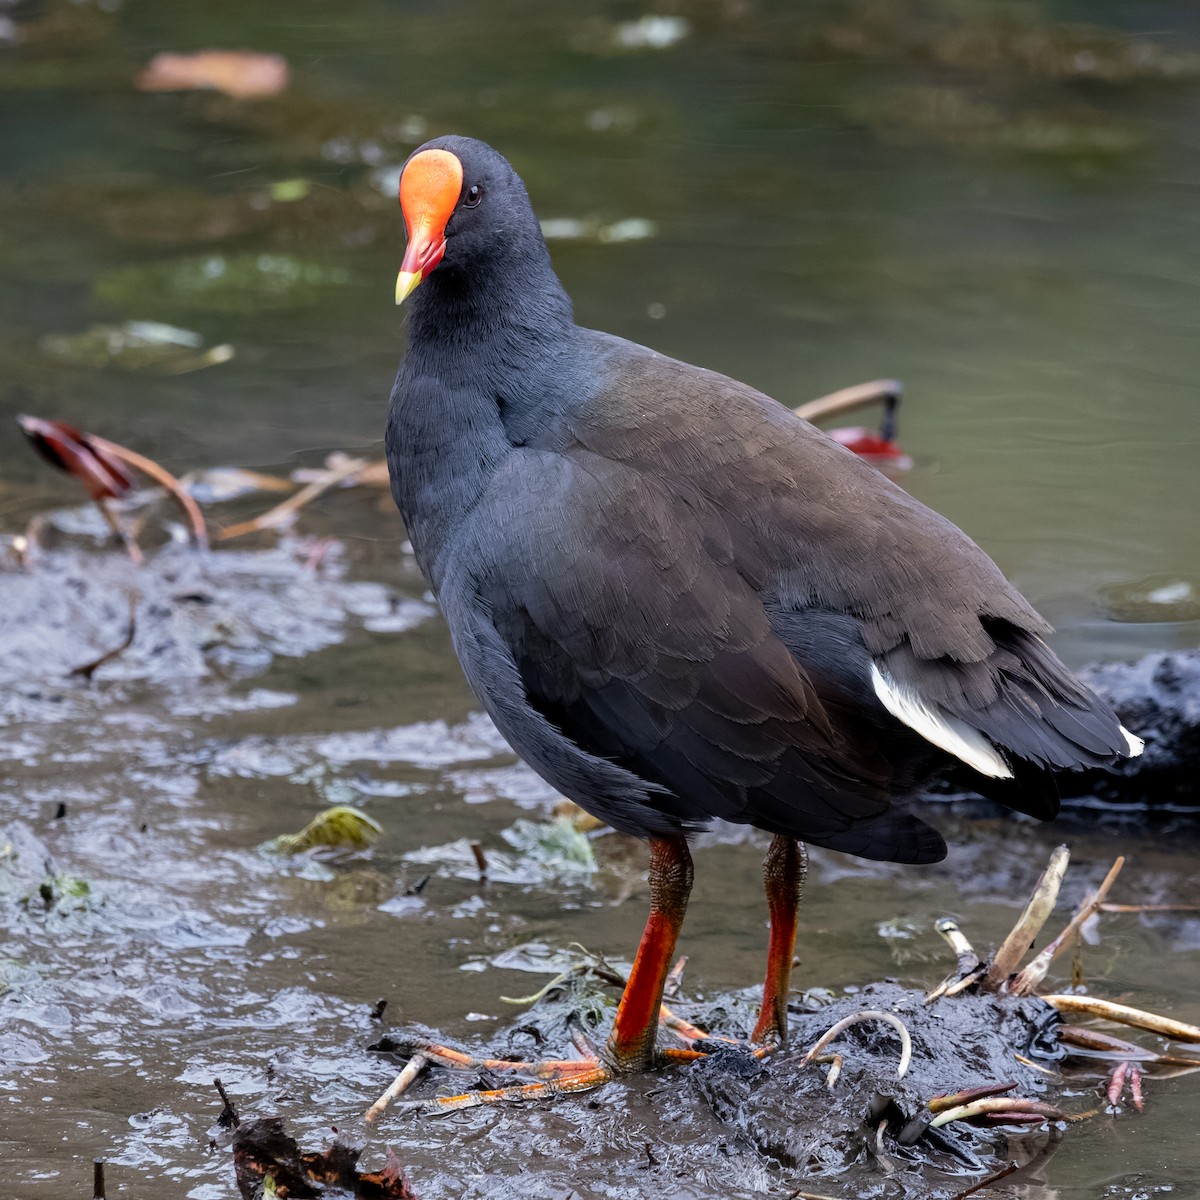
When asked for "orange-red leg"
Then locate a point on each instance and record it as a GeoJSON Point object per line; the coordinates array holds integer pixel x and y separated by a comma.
{"type": "Point", "coordinates": [783, 875]}
{"type": "Point", "coordinates": [631, 1044]}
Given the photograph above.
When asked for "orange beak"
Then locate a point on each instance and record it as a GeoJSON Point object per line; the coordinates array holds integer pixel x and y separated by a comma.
{"type": "Point", "coordinates": [429, 191]}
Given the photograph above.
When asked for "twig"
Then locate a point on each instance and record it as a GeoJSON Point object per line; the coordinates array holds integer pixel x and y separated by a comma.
{"type": "Point", "coordinates": [855, 1019]}
{"type": "Point", "coordinates": [164, 478]}
{"type": "Point", "coordinates": [560, 978]}
{"type": "Point", "coordinates": [1003, 1173]}
{"type": "Point", "coordinates": [1177, 1072]}
{"type": "Point", "coordinates": [399, 1086]}
{"type": "Point", "coordinates": [1028, 1062]}
{"type": "Point", "coordinates": [1144, 908]}
{"type": "Point", "coordinates": [276, 516]}
{"type": "Point", "coordinates": [1123, 1014]}
{"type": "Point", "coordinates": [1104, 1045]}
{"type": "Point", "coordinates": [861, 395]}
{"type": "Point", "coordinates": [836, 1062]}
{"type": "Point", "coordinates": [969, 967]}
{"type": "Point", "coordinates": [1037, 911]}
{"type": "Point", "coordinates": [675, 978]}
{"type": "Point", "coordinates": [955, 983]}
{"type": "Point", "coordinates": [968, 960]}
{"type": "Point", "coordinates": [939, 1104]}
{"type": "Point", "coordinates": [123, 535]}
{"type": "Point", "coordinates": [1001, 1106]}
{"type": "Point", "coordinates": [229, 1117]}
{"type": "Point", "coordinates": [1034, 972]}
{"type": "Point", "coordinates": [98, 1179]}
{"type": "Point", "coordinates": [480, 861]}
{"type": "Point", "coordinates": [88, 669]}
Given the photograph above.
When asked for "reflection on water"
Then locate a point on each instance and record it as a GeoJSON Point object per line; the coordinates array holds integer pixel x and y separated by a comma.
{"type": "Point", "coordinates": [995, 204]}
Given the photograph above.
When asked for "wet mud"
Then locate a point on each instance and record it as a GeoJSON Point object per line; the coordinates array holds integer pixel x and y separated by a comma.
{"type": "Point", "coordinates": [153, 940]}
{"type": "Point", "coordinates": [733, 1125]}
{"type": "Point", "coordinates": [997, 206]}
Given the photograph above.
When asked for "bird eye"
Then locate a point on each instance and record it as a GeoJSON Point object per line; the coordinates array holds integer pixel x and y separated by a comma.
{"type": "Point", "coordinates": [473, 196]}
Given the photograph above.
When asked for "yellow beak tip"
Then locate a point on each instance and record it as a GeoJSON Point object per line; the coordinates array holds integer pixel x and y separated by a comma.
{"type": "Point", "coordinates": [406, 283]}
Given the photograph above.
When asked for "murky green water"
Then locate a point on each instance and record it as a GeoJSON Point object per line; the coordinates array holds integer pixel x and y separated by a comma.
{"type": "Point", "coordinates": [996, 207]}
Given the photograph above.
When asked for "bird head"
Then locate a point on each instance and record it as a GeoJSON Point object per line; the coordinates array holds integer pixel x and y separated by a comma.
{"type": "Point", "coordinates": [461, 200]}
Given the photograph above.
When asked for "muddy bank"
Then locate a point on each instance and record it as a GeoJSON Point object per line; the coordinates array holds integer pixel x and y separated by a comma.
{"type": "Point", "coordinates": [731, 1125]}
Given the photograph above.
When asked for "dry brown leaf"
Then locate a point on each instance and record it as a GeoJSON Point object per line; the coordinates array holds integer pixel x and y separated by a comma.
{"type": "Point", "coordinates": [243, 74]}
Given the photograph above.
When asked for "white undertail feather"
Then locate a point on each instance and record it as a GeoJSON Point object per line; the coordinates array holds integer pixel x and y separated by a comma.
{"type": "Point", "coordinates": [1135, 743]}
{"type": "Point", "coordinates": [948, 733]}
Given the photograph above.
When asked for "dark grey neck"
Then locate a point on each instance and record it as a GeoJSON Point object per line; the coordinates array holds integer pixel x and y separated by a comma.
{"type": "Point", "coordinates": [490, 322]}
{"type": "Point", "coordinates": [485, 352]}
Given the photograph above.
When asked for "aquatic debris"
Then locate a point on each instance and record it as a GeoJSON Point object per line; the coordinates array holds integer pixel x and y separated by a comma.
{"type": "Point", "coordinates": [1031, 975]}
{"type": "Point", "coordinates": [628, 229]}
{"type": "Point", "coordinates": [1104, 1045]}
{"type": "Point", "coordinates": [1125, 1073]}
{"type": "Point", "coordinates": [102, 474]}
{"type": "Point", "coordinates": [814, 1054]}
{"type": "Point", "coordinates": [1153, 599]}
{"type": "Point", "coordinates": [62, 445]}
{"type": "Point", "coordinates": [283, 512]}
{"type": "Point", "coordinates": [100, 465]}
{"type": "Point", "coordinates": [88, 669]}
{"type": "Point", "coordinates": [557, 844]}
{"type": "Point", "coordinates": [234, 284]}
{"type": "Point", "coordinates": [136, 346]}
{"type": "Point", "coordinates": [879, 449]}
{"type": "Point", "coordinates": [56, 891]}
{"type": "Point", "coordinates": [868, 445]}
{"type": "Point", "coordinates": [480, 861]}
{"type": "Point", "coordinates": [229, 1118]}
{"type": "Point", "coordinates": [412, 1071]}
{"type": "Point", "coordinates": [1002, 977]}
{"type": "Point", "coordinates": [1037, 912]}
{"type": "Point", "coordinates": [340, 827]}
{"type": "Point", "coordinates": [1124, 1014]}
{"type": "Point", "coordinates": [242, 74]}
{"type": "Point", "coordinates": [651, 32]}
{"type": "Point", "coordinates": [957, 116]}
{"type": "Point", "coordinates": [219, 484]}
{"type": "Point", "coordinates": [268, 1162]}
{"type": "Point", "coordinates": [288, 191]}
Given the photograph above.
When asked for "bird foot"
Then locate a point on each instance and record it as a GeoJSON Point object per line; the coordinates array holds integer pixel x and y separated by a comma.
{"type": "Point", "coordinates": [553, 1076]}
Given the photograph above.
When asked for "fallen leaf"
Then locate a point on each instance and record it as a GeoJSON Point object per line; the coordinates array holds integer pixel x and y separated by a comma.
{"type": "Point", "coordinates": [104, 476]}
{"type": "Point", "coordinates": [269, 1162]}
{"type": "Point", "coordinates": [881, 452]}
{"type": "Point", "coordinates": [242, 74]}
{"type": "Point", "coordinates": [337, 827]}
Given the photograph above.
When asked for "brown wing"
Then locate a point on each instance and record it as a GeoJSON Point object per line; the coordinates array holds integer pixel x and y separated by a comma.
{"type": "Point", "coordinates": [814, 528]}
{"type": "Point", "coordinates": [637, 637]}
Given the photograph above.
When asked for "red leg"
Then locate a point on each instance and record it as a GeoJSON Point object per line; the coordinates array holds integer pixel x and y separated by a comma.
{"type": "Point", "coordinates": [783, 875]}
{"type": "Point", "coordinates": [631, 1044]}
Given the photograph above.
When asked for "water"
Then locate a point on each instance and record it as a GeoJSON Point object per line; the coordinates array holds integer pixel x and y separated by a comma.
{"type": "Point", "coordinates": [830, 194]}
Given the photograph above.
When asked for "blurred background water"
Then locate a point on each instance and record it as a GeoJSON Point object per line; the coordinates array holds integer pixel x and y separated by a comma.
{"type": "Point", "coordinates": [990, 201]}
{"type": "Point", "coordinates": [994, 202]}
